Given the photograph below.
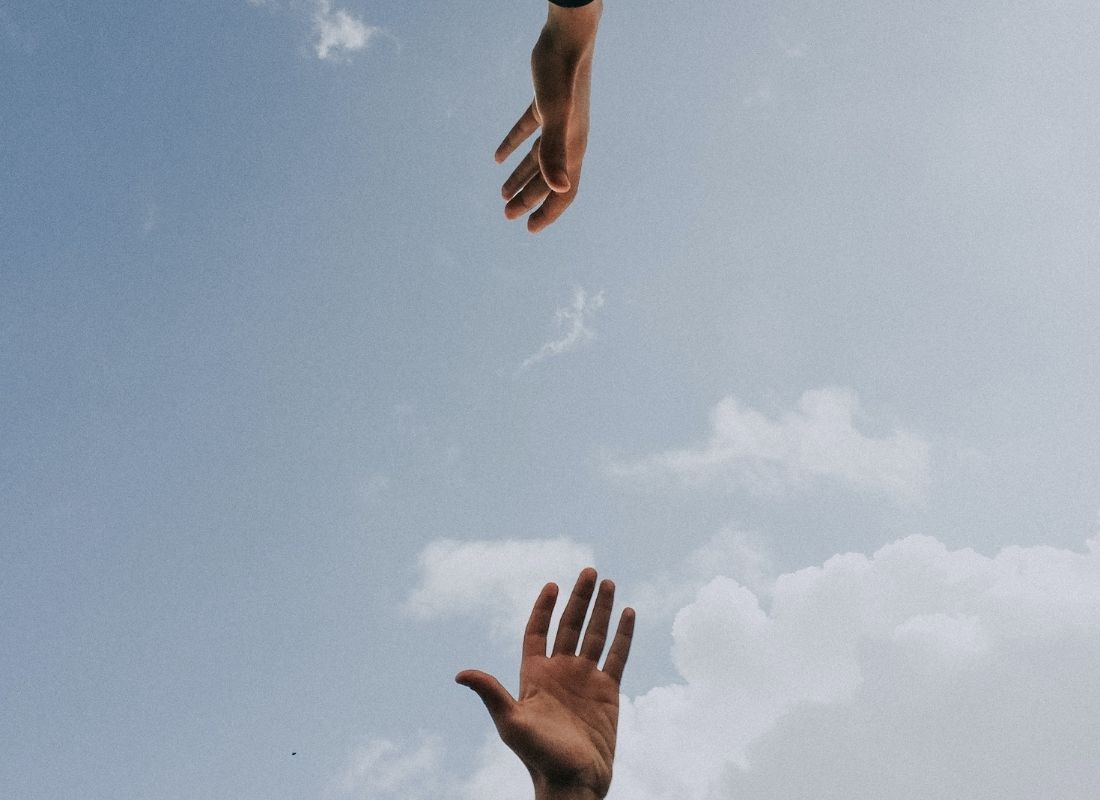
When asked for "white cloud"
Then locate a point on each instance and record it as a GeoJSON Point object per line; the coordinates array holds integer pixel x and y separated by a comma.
{"type": "Point", "coordinates": [915, 641]}
{"type": "Point", "coordinates": [573, 321]}
{"type": "Point", "coordinates": [383, 769]}
{"type": "Point", "coordinates": [818, 440]}
{"type": "Point", "coordinates": [916, 672]}
{"type": "Point", "coordinates": [336, 32]}
{"type": "Point", "coordinates": [498, 580]}
{"type": "Point", "coordinates": [739, 554]}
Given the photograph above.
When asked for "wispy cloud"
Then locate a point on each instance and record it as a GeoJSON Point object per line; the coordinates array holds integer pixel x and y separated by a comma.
{"type": "Point", "coordinates": [338, 32]}
{"type": "Point", "coordinates": [497, 579]}
{"type": "Point", "coordinates": [741, 555]}
{"type": "Point", "coordinates": [819, 440]}
{"type": "Point", "coordinates": [758, 98]}
{"type": "Point", "coordinates": [376, 488]}
{"type": "Point", "coordinates": [573, 321]}
{"type": "Point", "coordinates": [382, 768]}
{"type": "Point", "coordinates": [150, 216]}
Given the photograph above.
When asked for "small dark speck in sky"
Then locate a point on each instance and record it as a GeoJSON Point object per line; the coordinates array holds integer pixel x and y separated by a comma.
{"type": "Point", "coordinates": [294, 753]}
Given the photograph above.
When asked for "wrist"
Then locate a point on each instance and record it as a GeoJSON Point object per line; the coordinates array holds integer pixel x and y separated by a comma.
{"type": "Point", "coordinates": [578, 23]}
{"type": "Point", "coordinates": [545, 790]}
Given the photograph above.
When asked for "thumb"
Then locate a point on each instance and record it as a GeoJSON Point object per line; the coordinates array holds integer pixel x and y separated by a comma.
{"type": "Point", "coordinates": [495, 697]}
{"type": "Point", "coordinates": [552, 161]}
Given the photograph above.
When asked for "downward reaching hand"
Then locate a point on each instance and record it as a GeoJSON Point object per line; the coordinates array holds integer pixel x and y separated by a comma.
{"type": "Point", "coordinates": [561, 70]}
{"type": "Point", "coordinates": [563, 724]}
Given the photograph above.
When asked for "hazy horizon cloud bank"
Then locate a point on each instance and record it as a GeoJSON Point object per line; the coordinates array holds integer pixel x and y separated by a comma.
{"type": "Point", "coordinates": [816, 441]}
{"type": "Point", "coordinates": [913, 672]}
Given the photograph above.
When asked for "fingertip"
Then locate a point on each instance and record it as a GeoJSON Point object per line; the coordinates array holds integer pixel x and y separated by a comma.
{"type": "Point", "coordinates": [552, 161]}
{"type": "Point", "coordinates": [538, 221]}
{"type": "Point", "coordinates": [558, 181]}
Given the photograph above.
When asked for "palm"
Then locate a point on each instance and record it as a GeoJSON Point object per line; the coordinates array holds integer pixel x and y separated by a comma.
{"type": "Point", "coordinates": [563, 724]}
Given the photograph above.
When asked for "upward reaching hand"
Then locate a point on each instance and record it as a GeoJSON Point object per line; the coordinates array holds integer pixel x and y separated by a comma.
{"type": "Point", "coordinates": [563, 724]}
{"type": "Point", "coordinates": [561, 69]}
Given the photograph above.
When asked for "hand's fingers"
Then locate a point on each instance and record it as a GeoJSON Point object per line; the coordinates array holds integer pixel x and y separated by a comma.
{"type": "Point", "coordinates": [530, 196]}
{"type": "Point", "coordinates": [552, 145]}
{"type": "Point", "coordinates": [596, 633]}
{"type": "Point", "coordinates": [550, 210]}
{"type": "Point", "coordinates": [620, 646]}
{"type": "Point", "coordinates": [496, 698]}
{"type": "Point", "coordinates": [522, 175]}
{"type": "Point", "coordinates": [526, 125]}
{"type": "Point", "coordinates": [534, 638]}
{"type": "Point", "coordinates": [569, 627]}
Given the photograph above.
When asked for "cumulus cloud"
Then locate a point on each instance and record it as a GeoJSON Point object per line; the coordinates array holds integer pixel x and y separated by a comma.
{"type": "Point", "coordinates": [896, 675]}
{"type": "Point", "coordinates": [573, 321]}
{"type": "Point", "coordinates": [496, 580]}
{"type": "Point", "coordinates": [914, 672]}
{"type": "Point", "coordinates": [337, 32]}
{"type": "Point", "coordinates": [818, 440]}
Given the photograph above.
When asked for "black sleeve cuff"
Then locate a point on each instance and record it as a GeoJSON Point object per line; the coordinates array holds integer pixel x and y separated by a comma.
{"type": "Point", "coordinates": [570, 3]}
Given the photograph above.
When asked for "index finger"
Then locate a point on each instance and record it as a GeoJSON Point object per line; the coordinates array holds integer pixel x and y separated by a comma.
{"type": "Point", "coordinates": [534, 638]}
{"type": "Point", "coordinates": [527, 124]}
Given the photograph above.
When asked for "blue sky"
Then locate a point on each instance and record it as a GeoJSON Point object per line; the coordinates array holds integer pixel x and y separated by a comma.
{"type": "Point", "coordinates": [295, 423]}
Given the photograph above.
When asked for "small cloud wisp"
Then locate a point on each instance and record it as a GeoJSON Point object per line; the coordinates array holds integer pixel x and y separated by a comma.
{"type": "Point", "coordinates": [337, 32]}
{"type": "Point", "coordinates": [574, 320]}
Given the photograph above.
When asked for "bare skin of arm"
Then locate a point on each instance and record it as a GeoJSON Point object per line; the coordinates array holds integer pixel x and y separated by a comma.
{"type": "Point", "coordinates": [561, 70]}
{"type": "Point", "coordinates": [563, 724]}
